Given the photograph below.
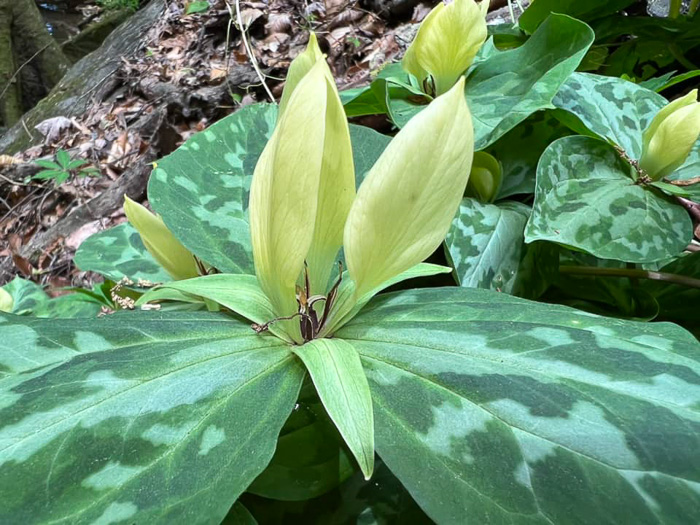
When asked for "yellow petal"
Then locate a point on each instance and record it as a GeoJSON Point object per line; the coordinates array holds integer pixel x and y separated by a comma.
{"type": "Point", "coordinates": [671, 137]}
{"type": "Point", "coordinates": [411, 62]}
{"type": "Point", "coordinates": [161, 244]}
{"type": "Point", "coordinates": [404, 207]}
{"type": "Point", "coordinates": [6, 301]}
{"type": "Point", "coordinates": [485, 177]}
{"type": "Point", "coordinates": [664, 113]}
{"type": "Point", "coordinates": [447, 42]}
{"type": "Point", "coordinates": [299, 67]}
{"type": "Point", "coordinates": [283, 194]}
{"type": "Point", "coordinates": [336, 192]}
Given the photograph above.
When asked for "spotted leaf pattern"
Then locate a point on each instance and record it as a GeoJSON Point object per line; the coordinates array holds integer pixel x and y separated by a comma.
{"type": "Point", "coordinates": [486, 243]}
{"type": "Point", "coordinates": [586, 198]}
{"type": "Point", "coordinates": [494, 409]}
{"type": "Point", "coordinates": [610, 108]}
{"type": "Point", "coordinates": [117, 253]}
{"type": "Point", "coordinates": [201, 190]}
{"type": "Point", "coordinates": [141, 417]}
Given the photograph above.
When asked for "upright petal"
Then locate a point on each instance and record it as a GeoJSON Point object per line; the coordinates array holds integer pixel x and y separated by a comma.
{"type": "Point", "coordinates": [298, 69]}
{"type": "Point", "coordinates": [160, 242]}
{"type": "Point", "coordinates": [670, 108]}
{"type": "Point", "coordinates": [283, 194]}
{"type": "Point", "coordinates": [404, 207]}
{"type": "Point", "coordinates": [447, 42]}
{"type": "Point", "coordinates": [671, 136]}
{"type": "Point", "coordinates": [336, 191]}
{"type": "Point", "coordinates": [411, 60]}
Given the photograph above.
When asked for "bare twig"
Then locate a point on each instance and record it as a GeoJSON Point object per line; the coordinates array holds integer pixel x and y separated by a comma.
{"type": "Point", "coordinates": [248, 49]}
{"type": "Point", "coordinates": [673, 278]}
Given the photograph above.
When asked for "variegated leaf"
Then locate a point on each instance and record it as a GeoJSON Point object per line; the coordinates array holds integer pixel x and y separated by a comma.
{"type": "Point", "coordinates": [505, 89]}
{"type": "Point", "coordinates": [118, 252]}
{"type": "Point", "coordinates": [147, 417]}
{"type": "Point", "coordinates": [609, 107]}
{"type": "Point", "coordinates": [520, 149]}
{"type": "Point", "coordinates": [493, 409]}
{"type": "Point", "coordinates": [586, 198]}
{"type": "Point", "coordinates": [486, 243]}
{"type": "Point", "coordinates": [31, 299]}
{"type": "Point", "coordinates": [201, 190]}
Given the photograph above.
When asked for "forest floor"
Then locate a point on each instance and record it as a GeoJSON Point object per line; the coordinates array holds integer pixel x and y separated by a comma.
{"type": "Point", "coordinates": [189, 71]}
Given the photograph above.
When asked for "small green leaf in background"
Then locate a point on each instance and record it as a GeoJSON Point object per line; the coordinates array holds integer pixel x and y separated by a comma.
{"type": "Point", "coordinates": [48, 164]}
{"type": "Point", "coordinates": [538, 11]}
{"type": "Point", "coordinates": [668, 80]}
{"type": "Point", "coordinates": [198, 6]}
{"type": "Point", "coordinates": [63, 158]}
{"type": "Point", "coordinates": [340, 381]}
{"type": "Point", "coordinates": [310, 459]}
{"type": "Point", "coordinates": [586, 199]}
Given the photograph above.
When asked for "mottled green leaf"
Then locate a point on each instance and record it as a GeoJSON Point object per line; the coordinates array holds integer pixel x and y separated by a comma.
{"type": "Point", "coordinates": [509, 86]}
{"type": "Point", "coordinates": [148, 418]}
{"type": "Point", "coordinates": [611, 108]}
{"type": "Point", "coordinates": [201, 190]}
{"type": "Point", "coordinates": [487, 248]}
{"type": "Point", "coordinates": [117, 253]}
{"type": "Point", "coordinates": [27, 295]}
{"type": "Point", "coordinates": [520, 149]}
{"type": "Point", "coordinates": [30, 299]}
{"type": "Point", "coordinates": [586, 199]}
{"type": "Point", "coordinates": [311, 458]}
{"type": "Point", "coordinates": [341, 384]}
{"type": "Point", "coordinates": [494, 409]}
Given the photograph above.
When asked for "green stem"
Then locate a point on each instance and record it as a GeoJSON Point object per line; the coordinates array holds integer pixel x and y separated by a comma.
{"type": "Point", "coordinates": [673, 278]}
{"type": "Point", "coordinates": [693, 7]}
{"type": "Point", "coordinates": [674, 9]}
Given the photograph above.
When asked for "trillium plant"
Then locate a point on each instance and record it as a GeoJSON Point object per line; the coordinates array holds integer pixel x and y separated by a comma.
{"type": "Point", "coordinates": [255, 368]}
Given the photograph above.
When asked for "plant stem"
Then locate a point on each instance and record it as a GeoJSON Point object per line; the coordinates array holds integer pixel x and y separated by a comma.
{"type": "Point", "coordinates": [674, 9]}
{"type": "Point", "coordinates": [673, 278]}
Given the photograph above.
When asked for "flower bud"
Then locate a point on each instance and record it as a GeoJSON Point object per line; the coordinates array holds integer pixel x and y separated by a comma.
{"type": "Point", "coordinates": [6, 301]}
{"type": "Point", "coordinates": [406, 203]}
{"type": "Point", "coordinates": [302, 190]}
{"type": "Point", "coordinates": [446, 43]}
{"type": "Point", "coordinates": [160, 242]}
{"type": "Point", "coordinates": [485, 178]}
{"type": "Point", "coordinates": [670, 137]}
